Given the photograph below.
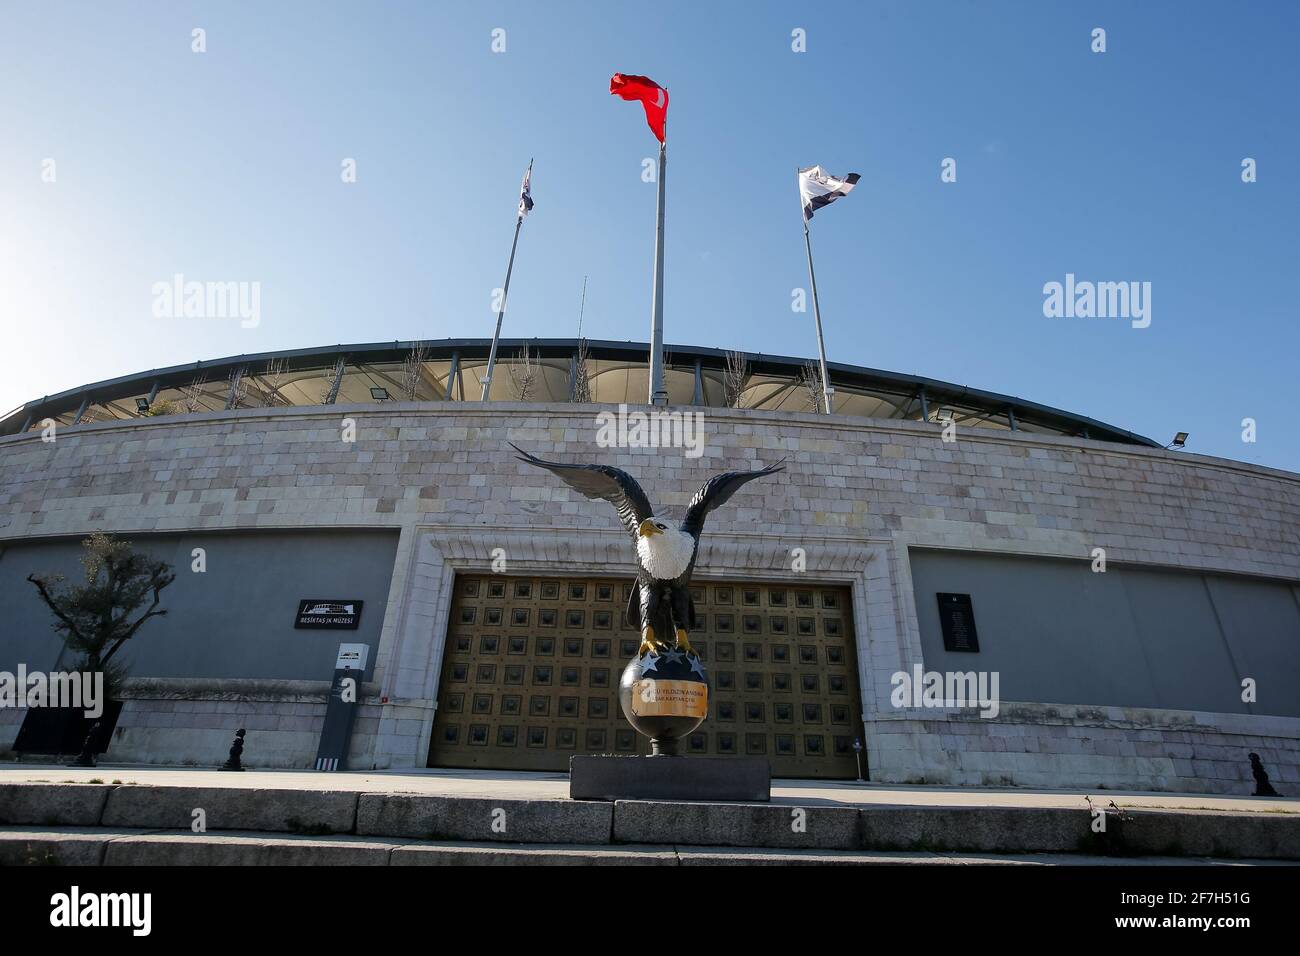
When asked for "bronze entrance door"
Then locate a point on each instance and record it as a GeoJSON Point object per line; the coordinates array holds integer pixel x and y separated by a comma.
{"type": "Point", "coordinates": [531, 668]}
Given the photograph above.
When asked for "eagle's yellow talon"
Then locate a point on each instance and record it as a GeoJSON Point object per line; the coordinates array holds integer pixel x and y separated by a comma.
{"type": "Point", "coordinates": [683, 644]}
{"type": "Point", "coordinates": [648, 643]}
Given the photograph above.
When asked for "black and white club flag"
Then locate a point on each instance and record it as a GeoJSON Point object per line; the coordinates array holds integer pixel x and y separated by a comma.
{"type": "Point", "coordinates": [526, 193]}
{"type": "Point", "coordinates": [819, 188]}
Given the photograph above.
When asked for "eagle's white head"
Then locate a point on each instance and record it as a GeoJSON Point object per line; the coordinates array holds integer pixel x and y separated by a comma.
{"type": "Point", "coordinates": [665, 551]}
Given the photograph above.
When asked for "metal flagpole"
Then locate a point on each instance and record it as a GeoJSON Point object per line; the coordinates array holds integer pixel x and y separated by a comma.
{"type": "Point", "coordinates": [817, 312]}
{"type": "Point", "coordinates": [582, 307]}
{"type": "Point", "coordinates": [658, 394]}
{"type": "Point", "coordinates": [505, 292]}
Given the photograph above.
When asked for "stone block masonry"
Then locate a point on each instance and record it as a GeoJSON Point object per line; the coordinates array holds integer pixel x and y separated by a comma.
{"type": "Point", "coordinates": [857, 494]}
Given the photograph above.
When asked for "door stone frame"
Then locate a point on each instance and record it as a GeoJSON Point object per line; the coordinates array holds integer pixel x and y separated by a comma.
{"type": "Point", "coordinates": [412, 653]}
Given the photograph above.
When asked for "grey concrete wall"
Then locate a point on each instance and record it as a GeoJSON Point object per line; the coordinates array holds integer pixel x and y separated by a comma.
{"type": "Point", "coordinates": [857, 495]}
{"type": "Point", "coordinates": [1058, 632]}
{"type": "Point", "coordinates": [234, 620]}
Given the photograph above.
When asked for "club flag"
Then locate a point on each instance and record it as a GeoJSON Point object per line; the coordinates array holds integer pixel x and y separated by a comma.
{"type": "Point", "coordinates": [819, 188]}
{"type": "Point", "coordinates": [652, 96]}
{"type": "Point", "coordinates": [526, 193]}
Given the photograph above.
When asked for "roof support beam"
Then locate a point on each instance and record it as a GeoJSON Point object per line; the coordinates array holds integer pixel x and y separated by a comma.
{"type": "Point", "coordinates": [451, 374]}
{"type": "Point", "coordinates": [236, 379]}
{"type": "Point", "coordinates": [333, 394]}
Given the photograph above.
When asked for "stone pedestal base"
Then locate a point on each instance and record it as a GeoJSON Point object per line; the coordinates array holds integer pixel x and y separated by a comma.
{"type": "Point", "coordinates": [670, 778]}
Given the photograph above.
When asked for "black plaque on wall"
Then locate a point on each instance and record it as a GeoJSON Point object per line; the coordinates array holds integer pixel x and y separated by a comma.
{"type": "Point", "coordinates": [329, 614]}
{"type": "Point", "coordinates": [958, 619]}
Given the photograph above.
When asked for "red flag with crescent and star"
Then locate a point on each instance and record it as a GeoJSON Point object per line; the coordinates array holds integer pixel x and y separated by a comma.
{"type": "Point", "coordinates": [652, 96]}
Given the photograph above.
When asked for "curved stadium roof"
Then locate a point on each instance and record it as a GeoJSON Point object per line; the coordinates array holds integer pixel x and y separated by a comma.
{"type": "Point", "coordinates": [450, 370]}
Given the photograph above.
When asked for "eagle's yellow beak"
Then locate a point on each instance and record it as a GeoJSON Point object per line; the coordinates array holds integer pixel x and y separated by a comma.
{"type": "Point", "coordinates": [647, 529]}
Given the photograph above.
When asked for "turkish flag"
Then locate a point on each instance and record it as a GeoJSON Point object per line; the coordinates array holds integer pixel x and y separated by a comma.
{"type": "Point", "coordinates": [652, 96]}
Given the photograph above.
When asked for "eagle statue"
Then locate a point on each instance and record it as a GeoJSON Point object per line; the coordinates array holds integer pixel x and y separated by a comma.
{"type": "Point", "coordinates": [665, 554]}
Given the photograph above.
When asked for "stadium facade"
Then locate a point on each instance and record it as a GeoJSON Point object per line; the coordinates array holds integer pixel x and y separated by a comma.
{"type": "Point", "coordinates": [369, 481]}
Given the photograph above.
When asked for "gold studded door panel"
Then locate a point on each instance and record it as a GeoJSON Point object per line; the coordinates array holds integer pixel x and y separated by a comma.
{"type": "Point", "coordinates": [531, 669]}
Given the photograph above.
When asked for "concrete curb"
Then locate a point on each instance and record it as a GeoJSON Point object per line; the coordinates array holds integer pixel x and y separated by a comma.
{"type": "Point", "coordinates": [975, 829]}
{"type": "Point", "coordinates": [451, 854]}
{"type": "Point", "coordinates": [1269, 836]}
{"type": "Point", "coordinates": [483, 818]}
{"type": "Point", "coordinates": [733, 824]}
{"type": "Point", "coordinates": [241, 849]}
{"type": "Point", "coordinates": [229, 808]}
{"type": "Point", "coordinates": [762, 856]}
{"type": "Point", "coordinates": [109, 847]}
{"type": "Point", "coordinates": [52, 848]}
{"type": "Point", "coordinates": [427, 817]}
{"type": "Point", "coordinates": [53, 804]}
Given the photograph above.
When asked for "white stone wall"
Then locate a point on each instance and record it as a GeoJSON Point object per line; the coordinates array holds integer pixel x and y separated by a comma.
{"type": "Point", "coordinates": [856, 495]}
{"type": "Point", "coordinates": [1090, 748]}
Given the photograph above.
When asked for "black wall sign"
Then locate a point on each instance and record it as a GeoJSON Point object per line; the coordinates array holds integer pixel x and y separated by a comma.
{"type": "Point", "coordinates": [958, 619]}
{"type": "Point", "coordinates": [329, 614]}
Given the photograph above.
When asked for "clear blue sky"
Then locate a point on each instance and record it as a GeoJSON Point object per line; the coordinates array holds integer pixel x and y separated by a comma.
{"type": "Point", "coordinates": [1116, 166]}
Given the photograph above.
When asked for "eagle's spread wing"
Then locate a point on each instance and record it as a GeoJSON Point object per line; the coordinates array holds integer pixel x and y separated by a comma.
{"type": "Point", "coordinates": [716, 491]}
{"type": "Point", "coordinates": [601, 481]}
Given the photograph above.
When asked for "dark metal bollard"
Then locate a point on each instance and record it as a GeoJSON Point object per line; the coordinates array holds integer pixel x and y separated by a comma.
{"type": "Point", "coordinates": [236, 748]}
{"type": "Point", "coordinates": [1262, 787]}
